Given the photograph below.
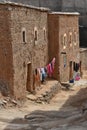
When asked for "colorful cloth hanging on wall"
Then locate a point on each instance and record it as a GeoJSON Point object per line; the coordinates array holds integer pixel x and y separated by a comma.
{"type": "Point", "coordinates": [43, 72]}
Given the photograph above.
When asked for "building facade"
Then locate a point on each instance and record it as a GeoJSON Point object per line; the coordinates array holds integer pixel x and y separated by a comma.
{"type": "Point", "coordinates": [63, 36]}
{"type": "Point", "coordinates": [65, 6]}
{"type": "Point", "coordinates": [23, 46]}
{"type": "Point", "coordinates": [30, 38]}
{"type": "Point", "coordinates": [83, 56]}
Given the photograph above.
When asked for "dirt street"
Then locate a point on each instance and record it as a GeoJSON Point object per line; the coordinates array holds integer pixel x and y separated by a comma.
{"type": "Point", "coordinates": [64, 112]}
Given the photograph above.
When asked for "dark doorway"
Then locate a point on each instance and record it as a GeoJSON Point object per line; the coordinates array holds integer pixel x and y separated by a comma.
{"type": "Point", "coordinates": [28, 85]}
{"type": "Point", "coordinates": [70, 70]}
{"type": "Point", "coordinates": [83, 36]}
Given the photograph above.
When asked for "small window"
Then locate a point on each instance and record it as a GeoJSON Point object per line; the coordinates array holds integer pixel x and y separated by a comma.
{"type": "Point", "coordinates": [35, 35]}
{"type": "Point", "coordinates": [75, 38]}
{"type": "Point", "coordinates": [64, 41]}
{"type": "Point", "coordinates": [44, 30]}
{"type": "Point", "coordinates": [70, 39]}
{"type": "Point", "coordinates": [23, 34]}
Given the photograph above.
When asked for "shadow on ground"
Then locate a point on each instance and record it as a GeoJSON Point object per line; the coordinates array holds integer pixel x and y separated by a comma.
{"type": "Point", "coordinates": [69, 117]}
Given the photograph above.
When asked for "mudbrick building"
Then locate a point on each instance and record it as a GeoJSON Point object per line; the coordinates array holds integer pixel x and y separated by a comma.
{"type": "Point", "coordinates": [23, 46]}
{"type": "Point", "coordinates": [83, 57]}
{"type": "Point", "coordinates": [64, 6]}
{"type": "Point", "coordinates": [63, 36]}
{"type": "Point", "coordinates": [30, 38]}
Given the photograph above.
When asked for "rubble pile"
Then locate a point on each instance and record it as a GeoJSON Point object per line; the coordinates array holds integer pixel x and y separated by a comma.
{"type": "Point", "coordinates": [45, 94]}
{"type": "Point", "coordinates": [8, 102]}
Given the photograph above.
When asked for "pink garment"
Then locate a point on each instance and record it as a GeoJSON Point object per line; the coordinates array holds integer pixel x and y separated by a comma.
{"type": "Point", "coordinates": [50, 67]}
{"type": "Point", "coordinates": [77, 78]}
{"type": "Point", "coordinates": [53, 62]}
{"type": "Point", "coordinates": [49, 70]}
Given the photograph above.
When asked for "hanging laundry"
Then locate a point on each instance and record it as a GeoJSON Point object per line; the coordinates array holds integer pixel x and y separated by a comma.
{"type": "Point", "coordinates": [43, 74]}
{"type": "Point", "coordinates": [36, 78]}
{"type": "Point", "coordinates": [77, 77]}
{"type": "Point", "coordinates": [40, 74]}
{"type": "Point", "coordinates": [45, 69]}
{"type": "Point", "coordinates": [52, 67]}
{"type": "Point", "coordinates": [48, 69]}
{"type": "Point", "coordinates": [53, 62]}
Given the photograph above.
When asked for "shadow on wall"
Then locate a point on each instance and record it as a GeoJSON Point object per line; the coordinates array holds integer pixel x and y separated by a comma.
{"type": "Point", "coordinates": [55, 120]}
{"type": "Point", "coordinates": [83, 36]}
{"type": "Point", "coordinates": [4, 89]}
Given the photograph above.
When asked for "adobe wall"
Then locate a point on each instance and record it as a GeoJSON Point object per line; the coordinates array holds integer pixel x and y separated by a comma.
{"type": "Point", "coordinates": [81, 7]}
{"type": "Point", "coordinates": [23, 53]}
{"type": "Point", "coordinates": [58, 25]}
{"type": "Point", "coordinates": [53, 44]}
{"type": "Point", "coordinates": [6, 56]}
{"type": "Point", "coordinates": [83, 55]}
{"type": "Point", "coordinates": [64, 6]}
{"type": "Point", "coordinates": [68, 24]}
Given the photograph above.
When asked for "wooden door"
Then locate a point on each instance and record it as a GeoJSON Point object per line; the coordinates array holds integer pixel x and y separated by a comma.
{"type": "Point", "coordinates": [28, 85]}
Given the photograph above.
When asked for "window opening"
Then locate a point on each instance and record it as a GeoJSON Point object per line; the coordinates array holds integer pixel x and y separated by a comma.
{"type": "Point", "coordinates": [23, 33]}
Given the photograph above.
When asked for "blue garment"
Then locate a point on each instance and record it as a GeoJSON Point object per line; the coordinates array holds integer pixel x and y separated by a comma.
{"type": "Point", "coordinates": [43, 74]}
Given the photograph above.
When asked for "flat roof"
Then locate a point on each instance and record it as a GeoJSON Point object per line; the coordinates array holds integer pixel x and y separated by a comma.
{"type": "Point", "coordinates": [24, 5]}
{"type": "Point", "coordinates": [65, 13]}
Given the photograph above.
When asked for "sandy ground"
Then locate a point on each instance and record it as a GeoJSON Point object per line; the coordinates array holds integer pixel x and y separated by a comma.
{"type": "Point", "coordinates": [64, 112]}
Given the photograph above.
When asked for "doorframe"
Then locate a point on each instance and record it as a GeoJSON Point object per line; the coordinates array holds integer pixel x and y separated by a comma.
{"type": "Point", "coordinates": [29, 77]}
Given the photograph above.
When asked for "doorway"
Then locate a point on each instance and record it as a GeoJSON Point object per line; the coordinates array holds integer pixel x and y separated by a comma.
{"type": "Point", "coordinates": [70, 70]}
{"type": "Point", "coordinates": [28, 84]}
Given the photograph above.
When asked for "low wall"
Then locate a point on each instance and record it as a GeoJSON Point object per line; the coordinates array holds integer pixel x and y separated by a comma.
{"type": "Point", "coordinates": [83, 57]}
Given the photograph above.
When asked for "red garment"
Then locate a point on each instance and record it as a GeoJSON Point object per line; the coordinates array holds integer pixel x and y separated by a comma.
{"type": "Point", "coordinates": [53, 63]}
{"type": "Point", "coordinates": [49, 70]}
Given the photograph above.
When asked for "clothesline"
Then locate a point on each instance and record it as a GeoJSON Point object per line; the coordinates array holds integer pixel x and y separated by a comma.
{"type": "Point", "coordinates": [43, 72]}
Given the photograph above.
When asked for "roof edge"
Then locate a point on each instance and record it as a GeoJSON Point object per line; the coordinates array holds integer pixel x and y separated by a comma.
{"type": "Point", "coordinates": [65, 13]}
{"type": "Point", "coordinates": [24, 5]}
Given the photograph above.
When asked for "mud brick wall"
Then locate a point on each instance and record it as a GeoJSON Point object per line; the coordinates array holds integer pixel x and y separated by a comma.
{"type": "Point", "coordinates": [58, 25]}
{"type": "Point", "coordinates": [68, 23]}
{"type": "Point", "coordinates": [83, 55]}
{"type": "Point", "coordinates": [36, 53]}
{"type": "Point", "coordinates": [6, 56]}
{"type": "Point", "coordinates": [53, 38]}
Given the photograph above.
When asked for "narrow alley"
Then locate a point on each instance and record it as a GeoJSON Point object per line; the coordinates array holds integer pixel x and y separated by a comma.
{"type": "Point", "coordinates": [64, 112]}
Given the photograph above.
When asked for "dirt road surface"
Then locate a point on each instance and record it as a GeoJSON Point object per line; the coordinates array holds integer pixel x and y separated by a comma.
{"type": "Point", "coordinates": [64, 112]}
